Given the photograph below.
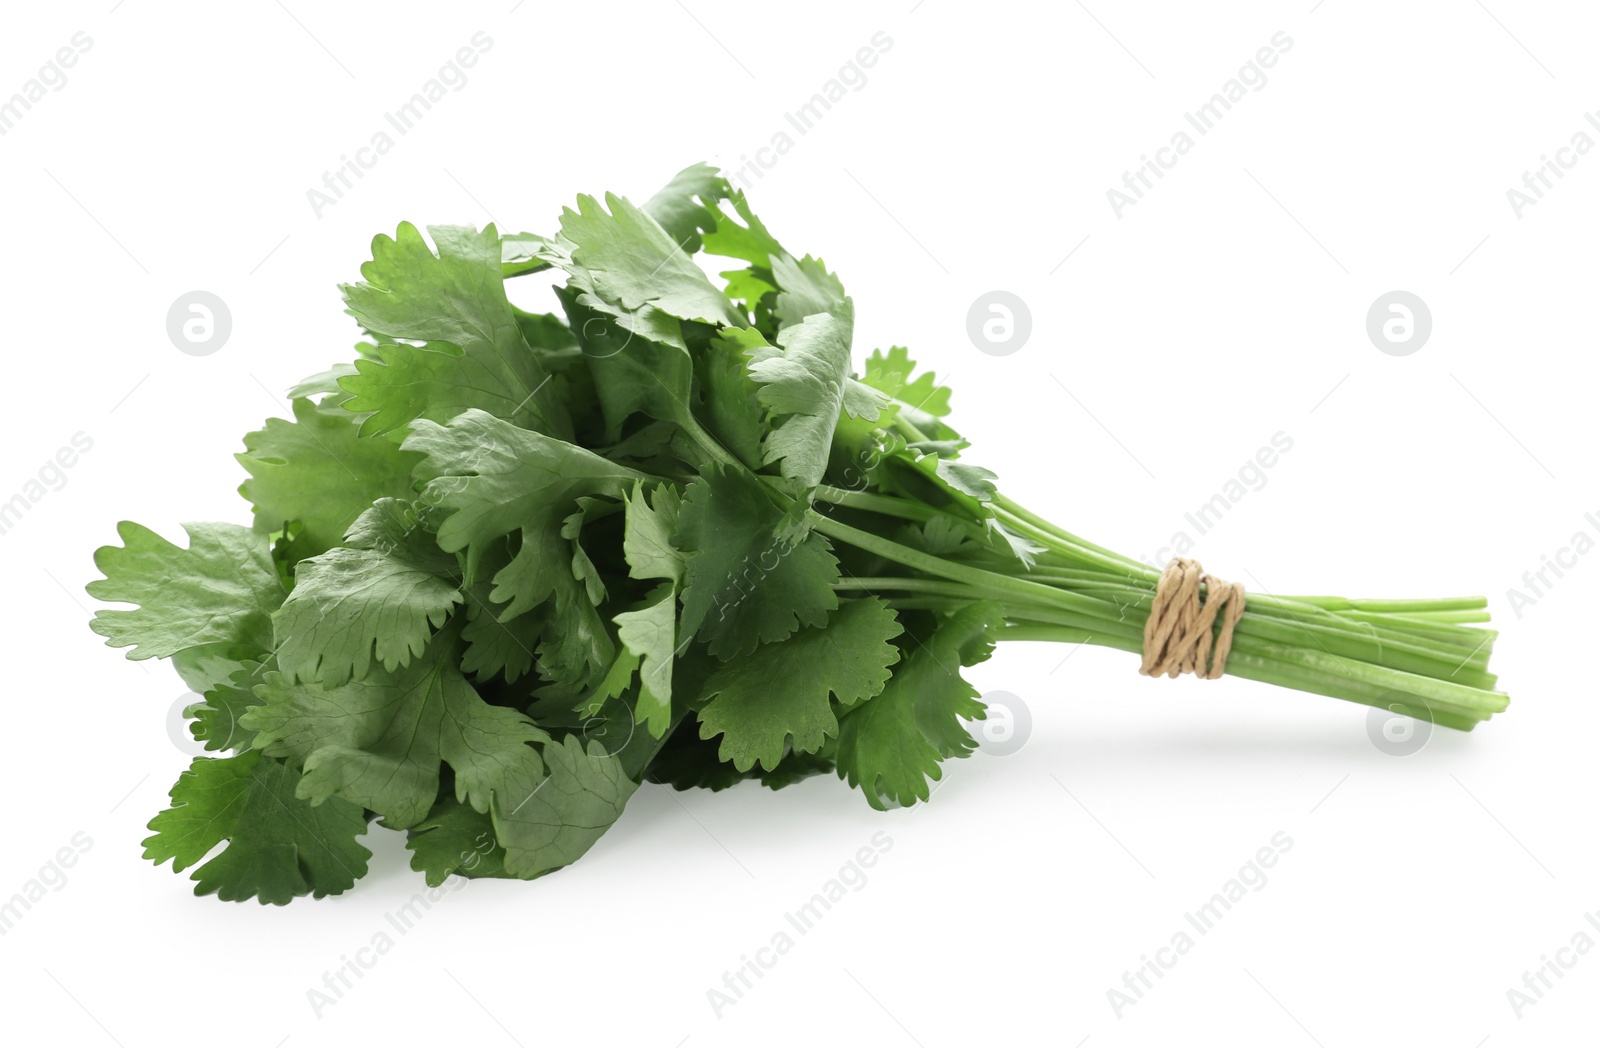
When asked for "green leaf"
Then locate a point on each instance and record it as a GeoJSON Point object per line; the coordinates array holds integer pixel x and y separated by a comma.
{"type": "Point", "coordinates": [729, 405]}
{"type": "Point", "coordinates": [559, 821]}
{"type": "Point", "coordinates": [207, 666]}
{"type": "Point", "coordinates": [523, 253]}
{"type": "Point", "coordinates": [687, 206]}
{"type": "Point", "coordinates": [797, 767]}
{"type": "Point", "coordinates": [776, 699]}
{"type": "Point", "coordinates": [890, 373]}
{"type": "Point", "coordinates": [497, 645]}
{"type": "Point", "coordinates": [918, 404]}
{"type": "Point", "coordinates": [437, 381]}
{"type": "Point", "coordinates": [687, 762]}
{"type": "Point", "coordinates": [806, 288]}
{"type": "Point", "coordinates": [323, 382]}
{"type": "Point", "coordinates": [650, 633]}
{"type": "Point", "coordinates": [748, 578]}
{"type": "Point", "coordinates": [574, 643]}
{"type": "Point", "coordinates": [383, 595]}
{"type": "Point", "coordinates": [222, 590]}
{"type": "Point", "coordinates": [638, 360]}
{"type": "Point", "coordinates": [379, 741]}
{"type": "Point", "coordinates": [974, 482]}
{"type": "Point", "coordinates": [278, 845]}
{"type": "Point", "coordinates": [749, 242]}
{"type": "Point", "coordinates": [750, 287]}
{"type": "Point", "coordinates": [491, 478]}
{"type": "Point", "coordinates": [218, 719]}
{"type": "Point", "coordinates": [647, 534]}
{"type": "Point", "coordinates": [633, 262]}
{"type": "Point", "coordinates": [320, 471]}
{"type": "Point", "coordinates": [458, 298]}
{"type": "Point", "coordinates": [540, 568]}
{"type": "Point", "coordinates": [610, 688]}
{"type": "Point", "coordinates": [936, 481]}
{"type": "Point", "coordinates": [891, 746]}
{"type": "Point", "coordinates": [455, 839]}
{"type": "Point", "coordinates": [565, 635]}
{"type": "Point", "coordinates": [583, 568]}
{"type": "Point", "coordinates": [805, 387]}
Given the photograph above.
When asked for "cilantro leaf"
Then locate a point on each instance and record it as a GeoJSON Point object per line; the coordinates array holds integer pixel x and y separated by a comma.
{"type": "Point", "coordinates": [776, 699]}
{"type": "Point", "coordinates": [457, 298]}
{"type": "Point", "coordinates": [491, 478]}
{"type": "Point", "coordinates": [638, 360]}
{"type": "Point", "coordinates": [574, 643]}
{"type": "Point", "coordinates": [750, 242]}
{"type": "Point", "coordinates": [748, 580]}
{"type": "Point", "coordinates": [892, 745]}
{"type": "Point", "coordinates": [649, 633]}
{"type": "Point", "coordinates": [222, 590]}
{"type": "Point", "coordinates": [318, 470]}
{"type": "Point", "coordinates": [455, 839]}
{"type": "Point", "coordinates": [496, 644]}
{"type": "Point", "coordinates": [437, 381]}
{"type": "Point", "coordinates": [324, 382]}
{"type": "Point", "coordinates": [804, 386]}
{"type": "Point", "coordinates": [797, 767]}
{"type": "Point", "coordinates": [383, 594]}
{"type": "Point", "coordinates": [922, 397]}
{"type": "Point", "coordinates": [523, 253]}
{"type": "Point", "coordinates": [647, 535]}
{"type": "Point", "coordinates": [729, 405]}
{"type": "Point", "coordinates": [556, 823]}
{"type": "Point", "coordinates": [633, 262]}
{"type": "Point", "coordinates": [917, 405]}
{"type": "Point", "coordinates": [279, 846]}
{"type": "Point", "coordinates": [934, 479]}
{"type": "Point", "coordinates": [218, 716]}
{"type": "Point", "coordinates": [687, 206]}
{"type": "Point", "coordinates": [609, 688]}
{"type": "Point", "coordinates": [379, 741]}
{"type": "Point", "coordinates": [207, 666]}
{"type": "Point", "coordinates": [687, 762]}
{"type": "Point", "coordinates": [805, 288]}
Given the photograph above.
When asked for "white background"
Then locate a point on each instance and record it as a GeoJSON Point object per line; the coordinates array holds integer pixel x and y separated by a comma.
{"type": "Point", "coordinates": [1226, 306]}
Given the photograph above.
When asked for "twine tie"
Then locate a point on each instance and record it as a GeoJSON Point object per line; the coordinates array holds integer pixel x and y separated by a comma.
{"type": "Point", "coordinates": [1189, 606]}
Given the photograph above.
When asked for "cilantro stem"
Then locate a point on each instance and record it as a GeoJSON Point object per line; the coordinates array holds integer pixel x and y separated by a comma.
{"type": "Point", "coordinates": [884, 504]}
{"type": "Point", "coordinates": [706, 442]}
{"type": "Point", "coordinates": [1269, 671]}
{"type": "Point", "coordinates": [1036, 526]}
{"type": "Point", "coordinates": [1115, 578]}
{"type": "Point", "coordinates": [1296, 644]}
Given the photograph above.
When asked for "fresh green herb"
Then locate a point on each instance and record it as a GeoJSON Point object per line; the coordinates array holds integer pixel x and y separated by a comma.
{"type": "Point", "coordinates": [507, 566]}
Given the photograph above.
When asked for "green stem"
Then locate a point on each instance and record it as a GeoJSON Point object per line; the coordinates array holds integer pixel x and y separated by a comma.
{"type": "Point", "coordinates": [1288, 675]}
{"type": "Point", "coordinates": [1009, 509]}
{"type": "Point", "coordinates": [885, 504]}
{"type": "Point", "coordinates": [990, 583]}
{"type": "Point", "coordinates": [1284, 641]}
{"type": "Point", "coordinates": [705, 441]}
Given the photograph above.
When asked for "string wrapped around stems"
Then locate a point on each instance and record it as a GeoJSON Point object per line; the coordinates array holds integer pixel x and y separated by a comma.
{"type": "Point", "coordinates": [1190, 606]}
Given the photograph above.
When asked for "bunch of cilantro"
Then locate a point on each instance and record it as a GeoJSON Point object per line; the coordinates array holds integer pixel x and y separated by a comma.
{"type": "Point", "coordinates": [507, 566]}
